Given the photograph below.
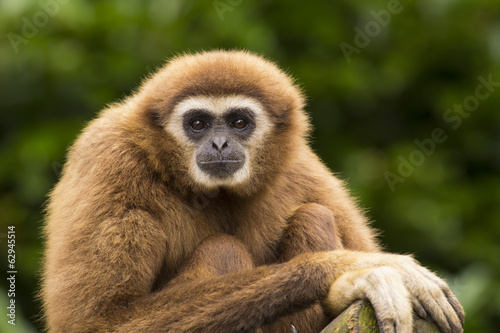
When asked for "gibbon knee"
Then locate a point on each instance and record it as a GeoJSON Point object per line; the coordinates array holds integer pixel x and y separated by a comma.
{"type": "Point", "coordinates": [311, 228]}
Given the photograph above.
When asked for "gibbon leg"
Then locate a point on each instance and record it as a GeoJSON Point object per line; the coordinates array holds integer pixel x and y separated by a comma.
{"type": "Point", "coordinates": [310, 229]}
{"type": "Point", "coordinates": [215, 256]}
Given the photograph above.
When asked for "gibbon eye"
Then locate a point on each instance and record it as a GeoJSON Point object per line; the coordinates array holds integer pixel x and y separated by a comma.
{"type": "Point", "coordinates": [198, 125]}
{"type": "Point", "coordinates": [239, 123]}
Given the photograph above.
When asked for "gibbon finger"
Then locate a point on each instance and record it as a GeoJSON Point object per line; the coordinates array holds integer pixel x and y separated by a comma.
{"type": "Point", "coordinates": [456, 305]}
{"type": "Point", "coordinates": [418, 308]}
{"type": "Point", "coordinates": [454, 320]}
{"type": "Point", "coordinates": [437, 309]}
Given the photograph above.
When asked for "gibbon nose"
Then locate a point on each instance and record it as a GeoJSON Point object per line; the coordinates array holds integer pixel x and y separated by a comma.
{"type": "Point", "coordinates": [219, 142]}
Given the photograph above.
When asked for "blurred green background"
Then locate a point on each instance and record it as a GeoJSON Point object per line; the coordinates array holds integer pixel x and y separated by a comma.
{"type": "Point", "coordinates": [381, 78]}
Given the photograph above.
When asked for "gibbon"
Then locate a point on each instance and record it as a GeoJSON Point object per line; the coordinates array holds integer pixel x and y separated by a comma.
{"type": "Point", "coordinates": [197, 205]}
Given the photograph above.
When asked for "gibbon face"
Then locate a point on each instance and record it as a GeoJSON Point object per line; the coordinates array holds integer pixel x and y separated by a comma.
{"type": "Point", "coordinates": [220, 133]}
{"type": "Point", "coordinates": [229, 119]}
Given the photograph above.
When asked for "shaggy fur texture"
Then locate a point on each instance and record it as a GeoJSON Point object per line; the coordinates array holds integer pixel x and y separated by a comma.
{"type": "Point", "coordinates": [135, 245]}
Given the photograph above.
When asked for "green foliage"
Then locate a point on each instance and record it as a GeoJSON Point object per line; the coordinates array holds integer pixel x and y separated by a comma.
{"type": "Point", "coordinates": [62, 60]}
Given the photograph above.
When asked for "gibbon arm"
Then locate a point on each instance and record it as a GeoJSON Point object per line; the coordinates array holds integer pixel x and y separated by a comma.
{"type": "Point", "coordinates": [218, 290]}
{"type": "Point", "coordinates": [234, 298]}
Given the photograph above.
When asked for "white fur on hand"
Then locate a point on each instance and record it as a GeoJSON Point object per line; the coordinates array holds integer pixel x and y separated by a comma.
{"type": "Point", "coordinates": [397, 286]}
{"type": "Point", "coordinates": [384, 288]}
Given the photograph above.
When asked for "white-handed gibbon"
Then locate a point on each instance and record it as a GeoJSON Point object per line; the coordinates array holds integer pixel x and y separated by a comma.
{"type": "Point", "coordinates": [277, 240]}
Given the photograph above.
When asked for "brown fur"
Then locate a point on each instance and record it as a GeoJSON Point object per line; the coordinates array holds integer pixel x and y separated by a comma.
{"type": "Point", "coordinates": [129, 249]}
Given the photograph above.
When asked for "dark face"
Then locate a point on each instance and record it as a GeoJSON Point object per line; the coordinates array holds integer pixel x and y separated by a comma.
{"type": "Point", "coordinates": [220, 139]}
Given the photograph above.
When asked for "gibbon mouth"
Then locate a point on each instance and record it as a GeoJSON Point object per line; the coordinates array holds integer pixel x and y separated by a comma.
{"type": "Point", "coordinates": [220, 161]}
{"type": "Point", "coordinates": [221, 168]}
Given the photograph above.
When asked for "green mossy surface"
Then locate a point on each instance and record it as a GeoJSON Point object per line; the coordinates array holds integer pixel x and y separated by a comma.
{"type": "Point", "coordinates": [360, 318]}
